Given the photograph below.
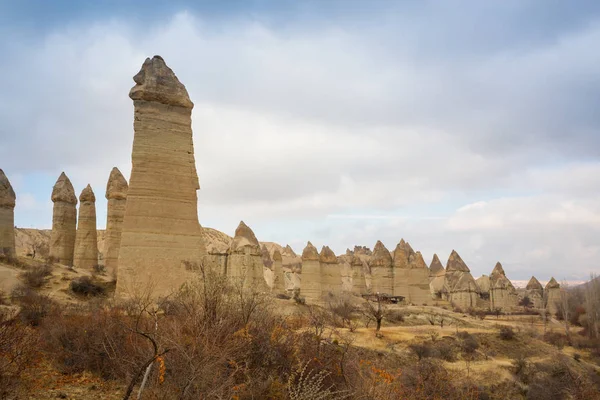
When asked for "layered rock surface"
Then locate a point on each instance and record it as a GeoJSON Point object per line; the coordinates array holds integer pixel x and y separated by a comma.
{"type": "Point", "coordinates": [161, 241]}
{"type": "Point", "coordinates": [7, 216]}
{"type": "Point", "coordinates": [437, 276]}
{"type": "Point", "coordinates": [552, 293]}
{"type": "Point", "coordinates": [64, 221]}
{"type": "Point", "coordinates": [459, 283]}
{"type": "Point", "coordinates": [86, 239]}
{"type": "Point", "coordinates": [245, 259]}
{"type": "Point", "coordinates": [311, 275]}
{"type": "Point", "coordinates": [503, 294]}
{"type": "Point", "coordinates": [278, 278]}
{"type": "Point", "coordinates": [535, 291]}
{"type": "Point", "coordinates": [331, 277]}
{"type": "Point", "coordinates": [116, 195]}
{"type": "Point", "coordinates": [381, 266]}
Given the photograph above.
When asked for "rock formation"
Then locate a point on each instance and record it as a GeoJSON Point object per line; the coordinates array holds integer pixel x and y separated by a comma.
{"type": "Point", "coordinates": [64, 221]}
{"type": "Point", "coordinates": [245, 259]}
{"type": "Point", "coordinates": [359, 284]}
{"type": "Point", "coordinates": [161, 242]}
{"type": "Point", "coordinates": [278, 278]}
{"type": "Point", "coordinates": [401, 269]}
{"type": "Point", "coordinates": [461, 287]}
{"type": "Point", "coordinates": [116, 195]}
{"type": "Point", "coordinates": [331, 277]}
{"type": "Point", "coordinates": [418, 280]}
{"type": "Point", "coordinates": [292, 270]}
{"type": "Point", "coordinates": [552, 292]}
{"type": "Point", "coordinates": [7, 216]}
{"type": "Point", "coordinates": [382, 274]}
{"type": "Point", "coordinates": [86, 238]}
{"type": "Point", "coordinates": [535, 291]}
{"type": "Point", "coordinates": [437, 276]}
{"type": "Point", "coordinates": [311, 275]}
{"type": "Point", "coordinates": [503, 294]}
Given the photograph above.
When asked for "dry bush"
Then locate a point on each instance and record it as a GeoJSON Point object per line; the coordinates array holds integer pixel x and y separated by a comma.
{"type": "Point", "coordinates": [506, 333]}
{"type": "Point", "coordinates": [343, 312]}
{"type": "Point", "coordinates": [556, 339]}
{"type": "Point", "coordinates": [34, 306]}
{"type": "Point", "coordinates": [36, 276]}
{"type": "Point", "coordinates": [421, 350]}
{"type": "Point", "coordinates": [559, 379]}
{"type": "Point", "coordinates": [18, 345]}
{"type": "Point", "coordinates": [85, 286]}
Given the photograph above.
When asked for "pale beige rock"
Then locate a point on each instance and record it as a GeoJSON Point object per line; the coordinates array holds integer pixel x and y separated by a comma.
{"type": "Point", "coordinates": [437, 276]}
{"type": "Point", "coordinates": [401, 270]}
{"type": "Point", "coordinates": [460, 286]}
{"type": "Point", "coordinates": [64, 221]}
{"type": "Point", "coordinates": [552, 292]}
{"type": "Point", "coordinates": [86, 238]}
{"type": "Point", "coordinates": [245, 259]}
{"type": "Point", "coordinates": [331, 277]}
{"type": "Point", "coordinates": [292, 270]}
{"type": "Point", "coordinates": [535, 291]}
{"type": "Point", "coordinates": [7, 216]}
{"type": "Point", "coordinates": [311, 275]}
{"type": "Point", "coordinates": [162, 243]}
{"type": "Point", "coordinates": [359, 285]}
{"type": "Point", "coordinates": [278, 277]}
{"type": "Point", "coordinates": [503, 294]}
{"type": "Point", "coordinates": [116, 196]}
{"type": "Point", "coordinates": [418, 280]}
{"type": "Point", "coordinates": [483, 282]}
{"type": "Point", "coordinates": [382, 275]}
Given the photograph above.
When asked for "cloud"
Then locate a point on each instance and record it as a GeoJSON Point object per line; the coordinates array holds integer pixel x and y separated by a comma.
{"type": "Point", "coordinates": [342, 135]}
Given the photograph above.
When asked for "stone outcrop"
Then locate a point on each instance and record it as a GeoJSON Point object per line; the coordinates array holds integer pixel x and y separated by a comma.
{"type": "Point", "coordinates": [552, 293]}
{"type": "Point", "coordinates": [331, 277]}
{"type": "Point", "coordinates": [292, 270]}
{"type": "Point", "coordinates": [359, 284]}
{"type": "Point", "coordinates": [64, 221]}
{"type": "Point", "coordinates": [116, 196]}
{"type": "Point", "coordinates": [503, 294]}
{"type": "Point", "coordinates": [437, 276]}
{"type": "Point", "coordinates": [86, 238]}
{"type": "Point", "coordinates": [7, 216]}
{"type": "Point", "coordinates": [535, 291]}
{"type": "Point", "coordinates": [162, 242]}
{"type": "Point", "coordinates": [382, 275]}
{"type": "Point", "coordinates": [411, 275]}
{"type": "Point", "coordinates": [278, 278]}
{"type": "Point", "coordinates": [245, 259]}
{"type": "Point", "coordinates": [459, 283]}
{"type": "Point", "coordinates": [311, 275]}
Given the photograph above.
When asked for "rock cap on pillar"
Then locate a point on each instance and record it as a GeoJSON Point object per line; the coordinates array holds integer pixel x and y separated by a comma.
{"type": "Point", "coordinates": [310, 253]}
{"type": "Point", "coordinates": [244, 236]}
{"type": "Point", "coordinates": [327, 256]}
{"type": "Point", "coordinates": [455, 263]}
{"type": "Point", "coordinates": [381, 255]}
{"type": "Point", "coordinates": [8, 197]}
{"type": "Point", "coordinates": [117, 186]}
{"type": "Point", "coordinates": [157, 82]}
{"type": "Point", "coordinates": [87, 195]}
{"type": "Point", "coordinates": [534, 284]}
{"type": "Point", "coordinates": [63, 190]}
{"type": "Point", "coordinates": [436, 268]}
{"type": "Point", "coordinates": [552, 284]}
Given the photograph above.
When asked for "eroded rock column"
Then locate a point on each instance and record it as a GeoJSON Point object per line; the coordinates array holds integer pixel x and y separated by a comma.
{"type": "Point", "coordinates": [244, 261]}
{"type": "Point", "coordinates": [278, 278]}
{"type": "Point", "coordinates": [64, 221]}
{"type": "Point", "coordinates": [331, 277]}
{"type": "Point", "coordinates": [86, 239]}
{"type": "Point", "coordinates": [116, 194]}
{"type": "Point", "coordinates": [161, 241]}
{"type": "Point", "coordinates": [382, 276]}
{"type": "Point", "coordinates": [311, 275]}
{"type": "Point", "coordinates": [7, 216]}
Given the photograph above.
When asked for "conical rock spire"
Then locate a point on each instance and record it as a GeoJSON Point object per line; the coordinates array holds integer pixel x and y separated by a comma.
{"type": "Point", "coordinates": [327, 256]}
{"type": "Point", "coordinates": [455, 263]}
{"type": "Point", "coordinates": [63, 190]}
{"type": "Point", "coordinates": [310, 253]}
{"type": "Point", "coordinates": [117, 186]}
{"type": "Point", "coordinates": [534, 284]}
{"type": "Point", "coordinates": [7, 194]}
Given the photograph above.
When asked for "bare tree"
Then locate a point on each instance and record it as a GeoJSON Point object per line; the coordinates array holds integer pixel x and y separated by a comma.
{"type": "Point", "coordinates": [375, 312]}
{"type": "Point", "coordinates": [564, 307]}
{"type": "Point", "coordinates": [592, 305]}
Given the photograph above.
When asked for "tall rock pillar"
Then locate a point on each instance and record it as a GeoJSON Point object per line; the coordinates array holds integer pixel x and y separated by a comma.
{"type": "Point", "coordinates": [331, 277]}
{"type": "Point", "coordinates": [7, 216]}
{"type": "Point", "coordinates": [278, 279]}
{"type": "Point", "coordinates": [64, 221]}
{"type": "Point", "coordinates": [116, 194]}
{"type": "Point", "coordinates": [86, 239]}
{"type": "Point", "coordinates": [161, 240]}
{"type": "Point", "coordinates": [382, 274]}
{"type": "Point", "coordinates": [311, 275]}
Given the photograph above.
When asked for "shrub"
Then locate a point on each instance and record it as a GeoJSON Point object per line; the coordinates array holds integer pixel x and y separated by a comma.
{"type": "Point", "coordinates": [557, 339]}
{"type": "Point", "coordinates": [577, 357]}
{"type": "Point", "coordinates": [36, 276]}
{"type": "Point", "coordinates": [34, 306]}
{"type": "Point", "coordinates": [421, 350]}
{"type": "Point", "coordinates": [445, 351]}
{"type": "Point", "coordinates": [99, 269]}
{"type": "Point", "coordinates": [507, 333]}
{"type": "Point", "coordinates": [86, 286]}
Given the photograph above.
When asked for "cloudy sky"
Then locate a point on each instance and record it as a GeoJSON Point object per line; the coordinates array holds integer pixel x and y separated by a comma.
{"type": "Point", "coordinates": [463, 125]}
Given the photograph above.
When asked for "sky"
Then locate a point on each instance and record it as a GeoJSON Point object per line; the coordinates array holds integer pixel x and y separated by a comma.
{"type": "Point", "coordinates": [468, 125]}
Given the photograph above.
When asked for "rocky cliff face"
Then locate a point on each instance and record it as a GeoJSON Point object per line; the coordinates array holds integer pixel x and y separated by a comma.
{"type": "Point", "coordinates": [311, 275]}
{"type": "Point", "coordinates": [64, 221]}
{"type": "Point", "coordinates": [382, 275]}
{"type": "Point", "coordinates": [245, 259]}
{"type": "Point", "coordinates": [7, 216]}
{"type": "Point", "coordinates": [331, 277]}
{"type": "Point", "coordinates": [86, 238]}
{"type": "Point", "coordinates": [116, 194]}
{"type": "Point", "coordinates": [162, 242]}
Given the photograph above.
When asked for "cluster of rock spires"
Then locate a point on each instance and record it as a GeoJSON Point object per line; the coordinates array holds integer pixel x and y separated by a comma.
{"type": "Point", "coordinates": [154, 239]}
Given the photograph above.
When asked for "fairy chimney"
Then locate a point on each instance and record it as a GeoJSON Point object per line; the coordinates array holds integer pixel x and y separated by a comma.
{"type": "Point", "coordinates": [278, 277]}
{"type": "Point", "coordinates": [552, 292]}
{"type": "Point", "coordinates": [382, 276]}
{"type": "Point", "coordinates": [7, 216]}
{"type": "Point", "coordinates": [311, 274]}
{"type": "Point", "coordinates": [162, 243]}
{"type": "Point", "coordinates": [86, 238]}
{"type": "Point", "coordinates": [245, 262]}
{"type": "Point", "coordinates": [64, 221]}
{"type": "Point", "coordinates": [535, 292]}
{"type": "Point", "coordinates": [331, 277]}
{"type": "Point", "coordinates": [116, 196]}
